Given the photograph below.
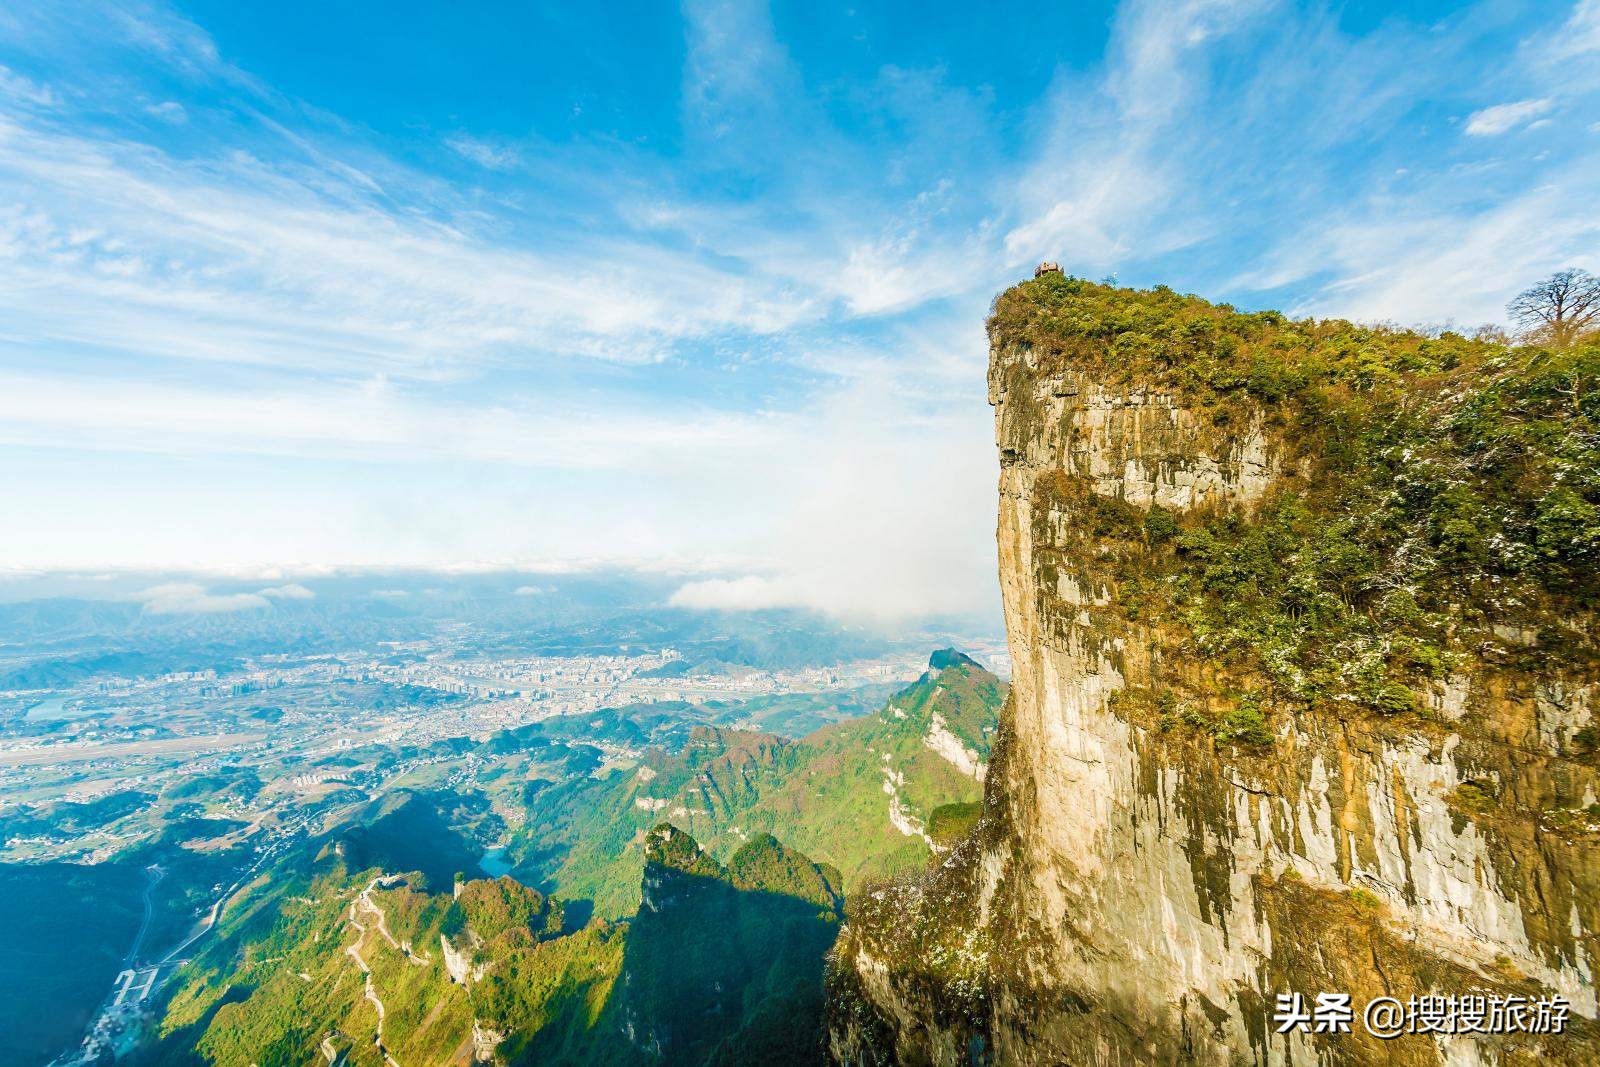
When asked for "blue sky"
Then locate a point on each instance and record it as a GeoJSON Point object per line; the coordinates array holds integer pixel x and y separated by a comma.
{"type": "Point", "coordinates": [298, 286]}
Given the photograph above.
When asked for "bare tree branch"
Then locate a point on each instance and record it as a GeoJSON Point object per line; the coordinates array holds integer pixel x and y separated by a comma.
{"type": "Point", "coordinates": [1559, 308]}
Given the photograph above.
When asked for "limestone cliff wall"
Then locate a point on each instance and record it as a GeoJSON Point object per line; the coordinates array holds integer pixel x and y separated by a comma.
{"type": "Point", "coordinates": [1138, 895]}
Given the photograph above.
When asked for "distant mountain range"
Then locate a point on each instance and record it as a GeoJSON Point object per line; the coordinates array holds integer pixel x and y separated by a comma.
{"type": "Point", "coordinates": [53, 640]}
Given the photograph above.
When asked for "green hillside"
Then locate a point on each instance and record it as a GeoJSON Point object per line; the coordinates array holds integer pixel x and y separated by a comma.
{"type": "Point", "coordinates": [863, 792]}
{"type": "Point", "coordinates": [362, 944]}
{"type": "Point", "coordinates": [858, 795]}
{"type": "Point", "coordinates": [723, 965]}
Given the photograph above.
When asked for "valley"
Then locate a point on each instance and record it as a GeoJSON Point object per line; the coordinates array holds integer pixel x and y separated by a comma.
{"type": "Point", "coordinates": [210, 807]}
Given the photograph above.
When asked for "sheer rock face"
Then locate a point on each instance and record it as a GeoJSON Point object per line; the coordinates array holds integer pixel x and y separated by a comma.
{"type": "Point", "coordinates": [1132, 897]}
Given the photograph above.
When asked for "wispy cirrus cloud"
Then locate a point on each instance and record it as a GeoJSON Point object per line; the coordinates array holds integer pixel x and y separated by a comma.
{"type": "Point", "coordinates": [119, 244]}
{"type": "Point", "coordinates": [1112, 163]}
{"type": "Point", "coordinates": [260, 330]}
{"type": "Point", "coordinates": [1502, 118]}
{"type": "Point", "coordinates": [483, 153]}
{"type": "Point", "coordinates": [1579, 35]}
{"type": "Point", "coordinates": [16, 88]}
{"type": "Point", "coordinates": [1436, 265]}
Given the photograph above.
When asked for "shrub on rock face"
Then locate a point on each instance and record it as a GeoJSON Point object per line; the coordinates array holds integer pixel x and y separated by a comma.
{"type": "Point", "coordinates": [950, 823]}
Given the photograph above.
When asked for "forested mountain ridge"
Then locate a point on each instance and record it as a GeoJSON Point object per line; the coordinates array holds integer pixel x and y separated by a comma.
{"type": "Point", "coordinates": [323, 961]}
{"type": "Point", "coordinates": [860, 794]}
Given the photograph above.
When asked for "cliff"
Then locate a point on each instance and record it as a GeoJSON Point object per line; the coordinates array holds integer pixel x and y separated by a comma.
{"type": "Point", "coordinates": [1301, 618]}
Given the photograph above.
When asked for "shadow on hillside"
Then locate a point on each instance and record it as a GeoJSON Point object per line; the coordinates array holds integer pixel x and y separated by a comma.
{"type": "Point", "coordinates": [70, 926]}
{"type": "Point", "coordinates": [536, 867]}
{"type": "Point", "coordinates": [180, 1048]}
{"type": "Point", "coordinates": [715, 974]}
{"type": "Point", "coordinates": [712, 975]}
{"type": "Point", "coordinates": [575, 914]}
{"type": "Point", "coordinates": [411, 835]}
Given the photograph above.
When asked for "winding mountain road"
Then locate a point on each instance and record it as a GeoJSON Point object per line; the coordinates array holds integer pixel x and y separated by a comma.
{"type": "Point", "coordinates": [153, 875]}
{"type": "Point", "coordinates": [354, 949]}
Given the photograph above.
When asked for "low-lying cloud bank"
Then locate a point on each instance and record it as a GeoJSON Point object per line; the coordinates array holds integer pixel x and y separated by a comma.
{"type": "Point", "coordinates": [750, 593]}
{"type": "Point", "coordinates": [192, 598]}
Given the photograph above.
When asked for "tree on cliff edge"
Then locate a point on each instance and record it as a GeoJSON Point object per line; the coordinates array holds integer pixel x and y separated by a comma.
{"type": "Point", "coordinates": [1559, 308]}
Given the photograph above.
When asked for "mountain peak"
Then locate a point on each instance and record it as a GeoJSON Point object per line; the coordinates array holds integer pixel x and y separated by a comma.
{"type": "Point", "coordinates": [950, 657]}
{"type": "Point", "coordinates": [765, 864]}
{"type": "Point", "coordinates": [668, 846]}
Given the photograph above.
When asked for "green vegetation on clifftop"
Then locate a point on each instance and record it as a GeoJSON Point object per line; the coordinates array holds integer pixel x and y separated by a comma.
{"type": "Point", "coordinates": [1438, 493]}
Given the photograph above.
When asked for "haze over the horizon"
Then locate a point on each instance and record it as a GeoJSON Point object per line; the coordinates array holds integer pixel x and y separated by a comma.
{"type": "Point", "coordinates": [299, 286]}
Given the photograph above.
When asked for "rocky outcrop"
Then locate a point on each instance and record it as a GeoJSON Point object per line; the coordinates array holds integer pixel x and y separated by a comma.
{"type": "Point", "coordinates": [458, 962]}
{"type": "Point", "coordinates": [484, 1042]}
{"type": "Point", "coordinates": [1140, 890]}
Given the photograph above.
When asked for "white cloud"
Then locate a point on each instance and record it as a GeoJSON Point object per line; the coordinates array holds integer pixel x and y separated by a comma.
{"type": "Point", "coordinates": [1112, 170]}
{"type": "Point", "coordinates": [529, 590]}
{"type": "Point", "coordinates": [187, 598]}
{"type": "Point", "coordinates": [291, 591]}
{"type": "Point", "coordinates": [1417, 261]}
{"type": "Point", "coordinates": [119, 245]}
{"type": "Point", "coordinates": [880, 506]}
{"type": "Point", "coordinates": [876, 500]}
{"type": "Point", "coordinates": [1580, 35]}
{"type": "Point", "coordinates": [750, 593]}
{"type": "Point", "coordinates": [24, 90]}
{"type": "Point", "coordinates": [169, 111]}
{"type": "Point", "coordinates": [1502, 118]}
{"type": "Point", "coordinates": [390, 594]}
{"type": "Point", "coordinates": [1156, 46]}
{"type": "Point", "coordinates": [1098, 220]}
{"type": "Point", "coordinates": [373, 420]}
{"type": "Point", "coordinates": [736, 73]}
{"type": "Point", "coordinates": [483, 153]}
